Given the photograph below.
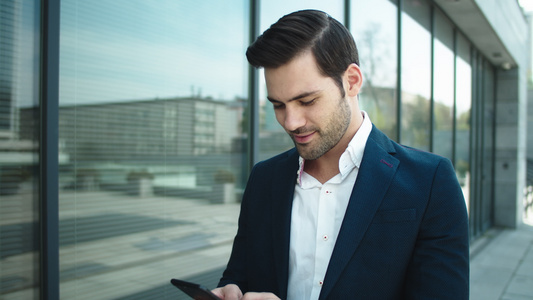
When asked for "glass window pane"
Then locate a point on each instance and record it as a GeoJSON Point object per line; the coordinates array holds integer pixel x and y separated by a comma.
{"type": "Point", "coordinates": [19, 148]}
{"type": "Point", "coordinates": [443, 86]}
{"type": "Point", "coordinates": [152, 101]}
{"type": "Point", "coordinates": [272, 138]}
{"type": "Point", "coordinates": [416, 74]}
{"type": "Point", "coordinates": [273, 10]}
{"type": "Point", "coordinates": [374, 26]}
{"type": "Point", "coordinates": [463, 107]}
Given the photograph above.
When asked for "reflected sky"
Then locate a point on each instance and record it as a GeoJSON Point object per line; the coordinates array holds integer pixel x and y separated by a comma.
{"type": "Point", "coordinates": [376, 37]}
{"type": "Point", "coordinates": [272, 10]}
{"type": "Point", "coordinates": [26, 54]}
{"type": "Point", "coordinates": [416, 56]}
{"type": "Point", "coordinates": [443, 74]}
{"type": "Point", "coordinates": [125, 50]}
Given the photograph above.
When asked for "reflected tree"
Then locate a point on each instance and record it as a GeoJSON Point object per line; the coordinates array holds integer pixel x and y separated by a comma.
{"type": "Point", "coordinates": [379, 88]}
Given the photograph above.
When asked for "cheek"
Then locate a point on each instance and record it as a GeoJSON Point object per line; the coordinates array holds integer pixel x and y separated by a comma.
{"type": "Point", "coordinates": [280, 116]}
{"type": "Point", "coordinates": [320, 115]}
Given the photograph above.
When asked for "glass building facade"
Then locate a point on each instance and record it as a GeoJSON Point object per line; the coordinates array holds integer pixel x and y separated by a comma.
{"type": "Point", "coordinates": [128, 128]}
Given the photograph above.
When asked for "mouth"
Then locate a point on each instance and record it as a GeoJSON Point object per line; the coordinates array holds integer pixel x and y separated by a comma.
{"type": "Point", "coordinates": [303, 138]}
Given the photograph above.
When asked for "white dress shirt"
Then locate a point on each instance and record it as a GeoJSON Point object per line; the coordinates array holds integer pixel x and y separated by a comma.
{"type": "Point", "coordinates": [317, 214]}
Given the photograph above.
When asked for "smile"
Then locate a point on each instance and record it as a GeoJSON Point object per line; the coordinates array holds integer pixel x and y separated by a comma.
{"type": "Point", "coordinates": [302, 139]}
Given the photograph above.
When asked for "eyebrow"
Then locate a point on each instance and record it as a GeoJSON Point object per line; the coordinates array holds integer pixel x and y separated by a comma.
{"type": "Point", "coordinates": [300, 96]}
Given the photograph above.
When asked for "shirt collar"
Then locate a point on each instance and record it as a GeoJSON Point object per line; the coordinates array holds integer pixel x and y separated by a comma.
{"type": "Point", "coordinates": [353, 155]}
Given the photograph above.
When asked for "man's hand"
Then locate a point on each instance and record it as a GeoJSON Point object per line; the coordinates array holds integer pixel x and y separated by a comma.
{"type": "Point", "coordinates": [228, 292]}
{"type": "Point", "coordinates": [232, 292]}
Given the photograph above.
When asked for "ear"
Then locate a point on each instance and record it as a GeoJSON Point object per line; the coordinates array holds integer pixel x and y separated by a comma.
{"type": "Point", "coordinates": [353, 80]}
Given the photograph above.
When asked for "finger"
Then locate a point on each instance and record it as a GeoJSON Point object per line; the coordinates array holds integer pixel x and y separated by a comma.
{"type": "Point", "coordinates": [228, 292]}
{"type": "Point", "coordinates": [259, 296]}
{"type": "Point", "coordinates": [218, 292]}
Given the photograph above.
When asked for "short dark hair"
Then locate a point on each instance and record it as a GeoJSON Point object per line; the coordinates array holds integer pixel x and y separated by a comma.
{"type": "Point", "coordinates": [330, 42]}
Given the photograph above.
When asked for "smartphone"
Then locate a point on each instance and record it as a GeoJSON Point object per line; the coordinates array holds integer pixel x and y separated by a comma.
{"type": "Point", "coordinates": [196, 291]}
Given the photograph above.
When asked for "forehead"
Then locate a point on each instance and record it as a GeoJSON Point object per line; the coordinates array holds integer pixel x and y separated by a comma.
{"type": "Point", "coordinates": [300, 75]}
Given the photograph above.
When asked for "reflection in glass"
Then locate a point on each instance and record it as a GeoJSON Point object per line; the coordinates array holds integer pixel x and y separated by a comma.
{"type": "Point", "coordinates": [463, 75]}
{"type": "Point", "coordinates": [19, 148]}
{"type": "Point", "coordinates": [272, 137]}
{"type": "Point", "coordinates": [416, 74]}
{"type": "Point", "coordinates": [152, 101]}
{"type": "Point", "coordinates": [443, 86]}
{"type": "Point", "coordinates": [374, 26]}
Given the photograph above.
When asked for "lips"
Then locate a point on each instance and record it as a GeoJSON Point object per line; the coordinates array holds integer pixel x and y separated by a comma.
{"type": "Point", "coordinates": [303, 138]}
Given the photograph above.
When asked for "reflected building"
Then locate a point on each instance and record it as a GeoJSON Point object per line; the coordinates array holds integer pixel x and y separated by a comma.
{"type": "Point", "coordinates": [17, 139]}
{"type": "Point", "coordinates": [9, 12]}
{"type": "Point", "coordinates": [187, 139]}
{"type": "Point", "coordinates": [126, 131]}
{"type": "Point", "coordinates": [19, 149]}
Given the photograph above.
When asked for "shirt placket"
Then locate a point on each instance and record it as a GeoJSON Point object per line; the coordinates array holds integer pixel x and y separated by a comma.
{"type": "Point", "coordinates": [324, 236]}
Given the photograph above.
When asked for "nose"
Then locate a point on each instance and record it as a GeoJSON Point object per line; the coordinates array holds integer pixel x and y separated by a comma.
{"type": "Point", "coordinates": [294, 118]}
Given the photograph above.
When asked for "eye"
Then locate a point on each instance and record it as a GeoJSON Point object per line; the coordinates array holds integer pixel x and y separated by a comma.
{"type": "Point", "coordinates": [308, 103]}
{"type": "Point", "coordinates": [278, 105]}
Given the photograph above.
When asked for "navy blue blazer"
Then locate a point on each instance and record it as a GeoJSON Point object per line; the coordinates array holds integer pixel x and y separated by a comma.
{"type": "Point", "coordinates": [404, 234]}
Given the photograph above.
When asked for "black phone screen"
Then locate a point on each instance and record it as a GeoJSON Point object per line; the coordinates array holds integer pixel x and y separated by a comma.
{"type": "Point", "coordinates": [194, 290]}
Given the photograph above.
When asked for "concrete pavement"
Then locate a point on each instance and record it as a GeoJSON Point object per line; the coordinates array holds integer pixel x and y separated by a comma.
{"type": "Point", "coordinates": [501, 265]}
{"type": "Point", "coordinates": [191, 239]}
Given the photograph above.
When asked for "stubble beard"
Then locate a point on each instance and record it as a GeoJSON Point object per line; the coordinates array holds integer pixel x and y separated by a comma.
{"type": "Point", "coordinates": [328, 137]}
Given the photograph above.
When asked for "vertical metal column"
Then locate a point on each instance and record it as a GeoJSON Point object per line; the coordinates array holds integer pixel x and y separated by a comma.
{"type": "Point", "coordinates": [454, 110]}
{"type": "Point", "coordinates": [347, 14]}
{"type": "Point", "coordinates": [253, 91]}
{"type": "Point", "coordinates": [49, 104]}
{"type": "Point", "coordinates": [473, 150]}
{"type": "Point", "coordinates": [432, 81]}
{"type": "Point", "coordinates": [399, 74]}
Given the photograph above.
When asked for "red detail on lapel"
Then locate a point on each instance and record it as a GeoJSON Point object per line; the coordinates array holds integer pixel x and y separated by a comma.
{"type": "Point", "coordinates": [383, 161]}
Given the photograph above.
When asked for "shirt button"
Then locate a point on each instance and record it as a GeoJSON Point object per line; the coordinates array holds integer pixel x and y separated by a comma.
{"type": "Point", "coordinates": [320, 282]}
{"type": "Point", "coordinates": [325, 237]}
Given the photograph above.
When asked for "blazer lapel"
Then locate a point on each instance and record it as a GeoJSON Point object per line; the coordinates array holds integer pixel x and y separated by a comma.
{"type": "Point", "coordinates": [375, 175]}
{"type": "Point", "coordinates": [282, 197]}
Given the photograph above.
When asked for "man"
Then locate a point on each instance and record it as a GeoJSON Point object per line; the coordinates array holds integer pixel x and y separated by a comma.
{"type": "Point", "coordinates": [348, 213]}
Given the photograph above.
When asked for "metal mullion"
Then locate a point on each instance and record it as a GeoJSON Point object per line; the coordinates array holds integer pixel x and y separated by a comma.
{"type": "Point", "coordinates": [432, 85]}
{"type": "Point", "coordinates": [478, 145]}
{"type": "Point", "coordinates": [472, 143]}
{"type": "Point", "coordinates": [49, 104]}
{"type": "Point", "coordinates": [253, 91]}
{"type": "Point", "coordinates": [347, 15]}
{"type": "Point", "coordinates": [493, 146]}
{"type": "Point", "coordinates": [481, 143]}
{"type": "Point", "coordinates": [399, 72]}
{"type": "Point", "coordinates": [454, 107]}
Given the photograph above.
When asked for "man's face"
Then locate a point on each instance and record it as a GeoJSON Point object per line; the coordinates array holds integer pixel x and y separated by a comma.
{"type": "Point", "coordinates": [308, 105]}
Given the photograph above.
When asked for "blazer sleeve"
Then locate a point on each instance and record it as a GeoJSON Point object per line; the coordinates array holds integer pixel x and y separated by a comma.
{"type": "Point", "coordinates": [235, 272]}
{"type": "Point", "coordinates": [439, 267]}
